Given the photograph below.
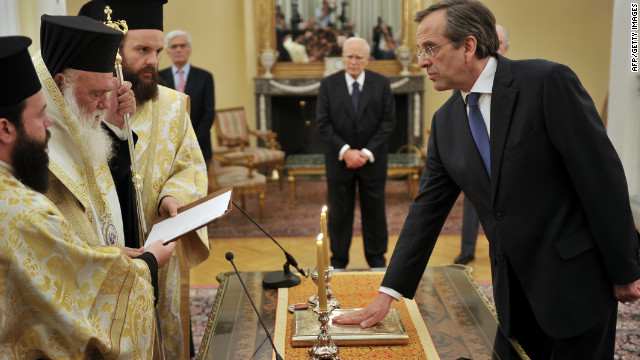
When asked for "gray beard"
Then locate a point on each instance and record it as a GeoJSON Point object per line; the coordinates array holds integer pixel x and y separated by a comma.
{"type": "Point", "coordinates": [94, 141]}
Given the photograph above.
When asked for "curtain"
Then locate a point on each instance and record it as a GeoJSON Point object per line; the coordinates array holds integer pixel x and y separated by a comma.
{"type": "Point", "coordinates": [364, 13]}
{"type": "Point", "coordinates": [9, 19]}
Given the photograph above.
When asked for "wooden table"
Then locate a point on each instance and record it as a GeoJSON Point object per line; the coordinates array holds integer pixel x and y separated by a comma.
{"type": "Point", "coordinates": [460, 319]}
{"type": "Point", "coordinates": [409, 164]}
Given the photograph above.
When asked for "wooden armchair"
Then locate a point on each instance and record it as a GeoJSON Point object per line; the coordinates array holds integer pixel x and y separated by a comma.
{"type": "Point", "coordinates": [231, 130]}
{"type": "Point", "coordinates": [244, 179]}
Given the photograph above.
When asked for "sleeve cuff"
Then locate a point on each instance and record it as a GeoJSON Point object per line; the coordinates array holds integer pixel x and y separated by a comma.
{"type": "Point", "coordinates": [120, 133]}
{"type": "Point", "coordinates": [342, 151]}
{"type": "Point", "coordinates": [396, 295]}
{"type": "Point", "coordinates": [369, 154]}
{"type": "Point", "coordinates": [152, 263]}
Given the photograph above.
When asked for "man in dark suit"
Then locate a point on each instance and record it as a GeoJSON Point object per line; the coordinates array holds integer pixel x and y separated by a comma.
{"type": "Point", "coordinates": [193, 81]}
{"type": "Point", "coordinates": [356, 114]}
{"type": "Point", "coordinates": [548, 187]}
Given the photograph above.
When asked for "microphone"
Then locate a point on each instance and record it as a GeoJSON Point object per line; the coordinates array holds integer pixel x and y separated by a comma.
{"type": "Point", "coordinates": [229, 256]}
{"type": "Point", "coordinates": [277, 279]}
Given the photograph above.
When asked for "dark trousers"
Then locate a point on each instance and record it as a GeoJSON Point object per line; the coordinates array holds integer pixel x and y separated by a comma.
{"type": "Point", "coordinates": [470, 224]}
{"type": "Point", "coordinates": [374, 222]}
{"type": "Point", "coordinates": [597, 343]}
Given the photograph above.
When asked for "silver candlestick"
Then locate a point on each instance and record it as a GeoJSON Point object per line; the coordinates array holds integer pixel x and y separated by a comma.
{"type": "Point", "coordinates": [324, 348]}
{"type": "Point", "coordinates": [332, 301]}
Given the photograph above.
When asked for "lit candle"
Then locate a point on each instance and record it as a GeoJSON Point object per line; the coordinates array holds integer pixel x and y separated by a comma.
{"type": "Point", "coordinates": [325, 238]}
{"type": "Point", "coordinates": [322, 287]}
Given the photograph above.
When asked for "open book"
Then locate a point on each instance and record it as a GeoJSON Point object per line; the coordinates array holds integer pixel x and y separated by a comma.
{"type": "Point", "coordinates": [191, 217]}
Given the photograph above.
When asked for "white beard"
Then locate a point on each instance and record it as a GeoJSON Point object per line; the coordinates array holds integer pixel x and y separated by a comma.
{"type": "Point", "coordinates": [95, 143]}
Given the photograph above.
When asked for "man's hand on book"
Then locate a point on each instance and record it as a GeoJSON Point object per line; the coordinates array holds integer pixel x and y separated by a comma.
{"type": "Point", "coordinates": [369, 316]}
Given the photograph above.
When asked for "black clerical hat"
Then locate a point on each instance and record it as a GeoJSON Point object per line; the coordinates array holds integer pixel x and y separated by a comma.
{"type": "Point", "coordinates": [139, 14]}
{"type": "Point", "coordinates": [78, 42]}
{"type": "Point", "coordinates": [17, 75]}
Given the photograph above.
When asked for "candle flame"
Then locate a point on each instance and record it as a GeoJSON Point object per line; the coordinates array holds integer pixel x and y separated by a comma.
{"type": "Point", "coordinates": [324, 209]}
{"type": "Point", "coordinates": [320, 237]}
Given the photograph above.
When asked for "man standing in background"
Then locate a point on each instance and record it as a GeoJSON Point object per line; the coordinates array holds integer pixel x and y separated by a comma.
{"type": "Point", "coordinates": [193, 81]}
{"type": "Point", "coordinates": [356, 114]}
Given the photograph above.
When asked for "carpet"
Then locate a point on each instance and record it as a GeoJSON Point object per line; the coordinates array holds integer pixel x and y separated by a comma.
{"type": "Point", "coordinates": [280, 220]}
{"type": "Point", "coordinates": [627, 333]}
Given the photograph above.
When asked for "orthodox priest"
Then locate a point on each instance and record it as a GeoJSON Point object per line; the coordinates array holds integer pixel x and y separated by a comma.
{"type": "Point", "coordinates": [167, 154]}
{"type": "Point", "coordinates": [75, 68]}
{"type": "Point", "coordinates": [60, 298]}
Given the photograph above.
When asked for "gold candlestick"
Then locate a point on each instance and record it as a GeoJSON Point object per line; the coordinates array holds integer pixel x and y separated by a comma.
{"type": "Point", "coordinates": [322, 289]}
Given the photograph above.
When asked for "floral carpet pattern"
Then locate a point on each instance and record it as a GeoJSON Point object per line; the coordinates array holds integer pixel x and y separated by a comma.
{"type": "Point", "coordinates": [280, 220]}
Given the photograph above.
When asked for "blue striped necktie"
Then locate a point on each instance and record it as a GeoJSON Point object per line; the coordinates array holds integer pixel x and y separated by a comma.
{"type": "Point", "coordinates": [479, 130]}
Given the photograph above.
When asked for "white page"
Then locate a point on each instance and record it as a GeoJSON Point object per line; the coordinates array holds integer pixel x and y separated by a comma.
{"type": "Point", "coordinates": [191, 219]}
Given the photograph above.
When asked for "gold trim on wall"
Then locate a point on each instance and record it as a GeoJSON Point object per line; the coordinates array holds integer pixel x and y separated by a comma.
{"type": "Point", "coordinates": [266, 34]}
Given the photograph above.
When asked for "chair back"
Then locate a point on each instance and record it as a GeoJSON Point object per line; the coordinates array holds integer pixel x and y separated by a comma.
{"type": "Point", "coordinates": [231, 127]}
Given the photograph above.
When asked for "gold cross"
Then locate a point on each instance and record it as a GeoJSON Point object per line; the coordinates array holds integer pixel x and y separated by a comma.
{"type": "Point", "coordinates": [108, 11]}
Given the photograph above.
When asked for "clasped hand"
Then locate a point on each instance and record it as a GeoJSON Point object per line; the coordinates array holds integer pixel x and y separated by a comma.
{"type": "Point", "coordinates": [627, 293]}
{"type": "Point", "coordinates": [354, 158]}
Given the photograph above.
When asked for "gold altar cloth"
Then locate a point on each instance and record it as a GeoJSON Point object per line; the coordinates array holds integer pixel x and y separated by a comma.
{"type": "Point", "coordinates": [354, 290]}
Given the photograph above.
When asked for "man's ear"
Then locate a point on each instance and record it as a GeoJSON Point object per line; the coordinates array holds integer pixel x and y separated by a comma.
{"type": "Point", "coordinates": [59, 80]}
{"type": "Point", "coordinates": [8, 132]}
{"type": "Point", "coordinates": [470, 44]}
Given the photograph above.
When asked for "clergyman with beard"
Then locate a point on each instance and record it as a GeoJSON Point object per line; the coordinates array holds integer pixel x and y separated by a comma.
{"type": "Point", "coordinates": [76, 69]}
{"type": "Point", "coordinates": [76, 317]}
{"type": "Point", "coordinates": [167, 154]}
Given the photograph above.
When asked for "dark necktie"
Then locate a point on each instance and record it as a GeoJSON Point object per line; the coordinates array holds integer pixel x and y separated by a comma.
{"type": "Point", "coordinates": [479, 130]}
{"type": "Point", "coordinates": [355, 96]}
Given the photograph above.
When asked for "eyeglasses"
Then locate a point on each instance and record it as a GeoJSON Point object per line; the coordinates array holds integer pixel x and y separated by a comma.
{"type": "Point", "coordinates": [179, 46]}
{"type": "Point", "coordinates": [428, 52]}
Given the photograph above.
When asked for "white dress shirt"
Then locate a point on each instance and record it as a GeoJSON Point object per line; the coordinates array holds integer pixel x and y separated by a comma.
{"type": "Point", "coordinates": [185, 72]}
{"type": "Point", "coordinates": [350, 81]}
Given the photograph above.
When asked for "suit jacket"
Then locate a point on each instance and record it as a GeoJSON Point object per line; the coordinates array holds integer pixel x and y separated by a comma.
{"type": "Point", "coordinates": [200, 89]}
{"type": "Point", "coordinates": [339, 124]}
{"type": "Point", "coordinates": [556, 209]}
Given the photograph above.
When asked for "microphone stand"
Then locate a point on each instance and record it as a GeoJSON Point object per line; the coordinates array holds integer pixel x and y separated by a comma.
{"type": "Point", "coordinates": [229, 257]}
{"type": "Point", "coordinates": [278, 279]}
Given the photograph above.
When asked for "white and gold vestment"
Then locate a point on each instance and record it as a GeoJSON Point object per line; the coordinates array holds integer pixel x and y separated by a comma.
{"type": "Point", "coordinates": [170, 162]}
{"type": "Point", "coordinates": [76, 187]}
{"type": "Point", "coordinates": [60, 298]}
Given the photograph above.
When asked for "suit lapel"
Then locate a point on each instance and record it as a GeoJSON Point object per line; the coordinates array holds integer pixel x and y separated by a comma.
{"type": "Point", "coordinates": [503, 100]}
{"type": "Point", "coordinates": [365, 95]}
{"type": "Point", "coordinates": [170, 83]}
{"type": "Point", "coordinates": [343, 93]}
{"type": "Point", "coordinates": [191, 78]}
